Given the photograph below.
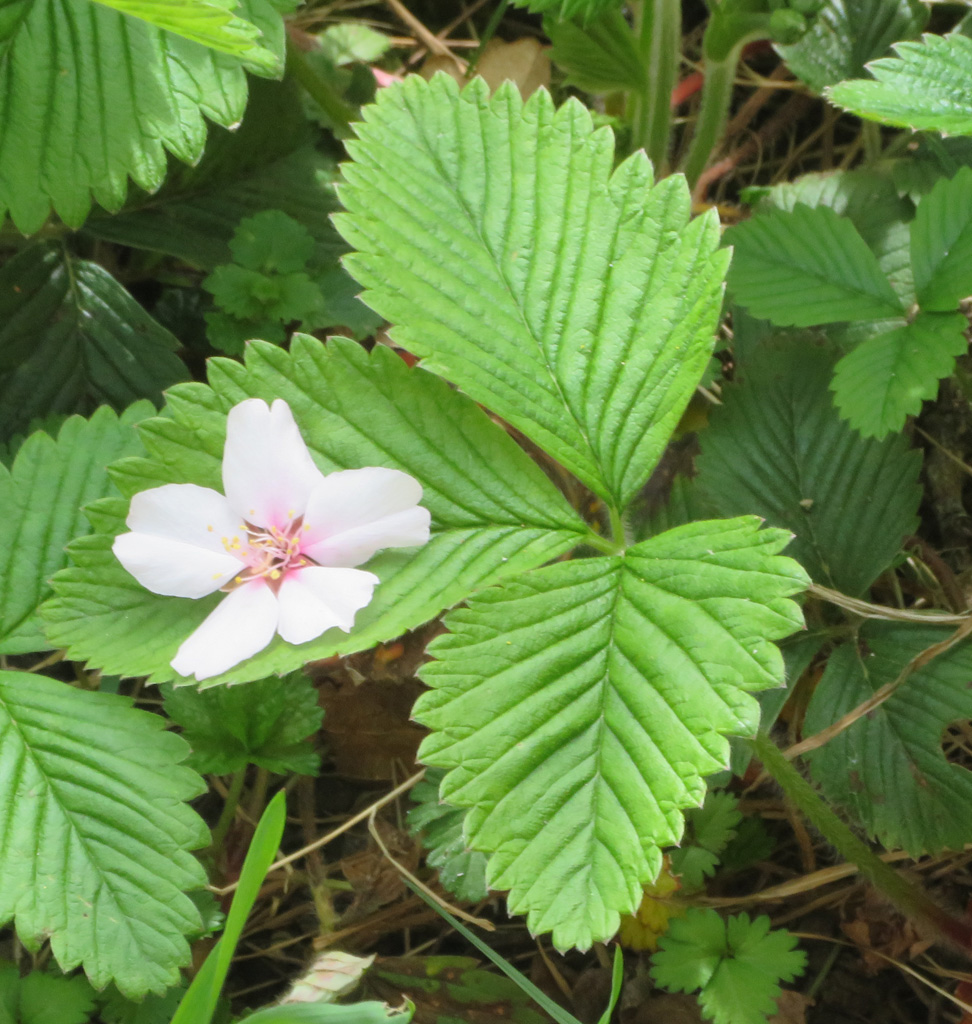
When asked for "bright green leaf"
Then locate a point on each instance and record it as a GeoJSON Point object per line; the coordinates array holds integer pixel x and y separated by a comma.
{"type": "Point", "coordinates": [778, 448]}
{"type": "Point", "coordinates": [40, 511]}
{"type": "Point", "coordinates": [882, 381]}
{"type": "Point", "coordinates": [927, 87]}
{"type": "Point", "coordinates": [601, 56]}
{"type": "Point", "coordinates": [927, 805]}
{"type": "Point", "coordinates": [494, 513]}
{"type": "Point", "coordinates": [941, 244]}
{"type": "Point", "coordinates": [709, 829]}
{"type": "Point", "coordinates": [118, 94]}
{"type": "Point", "coordinates": [846, 34]}
{"type": "Point", "coordinates": [807, 266]}
{"type": "Point", "coordinates": [72, 338]}
{"type": "Point", "coordinates": [581, 705]}
{"type": "Point", "coordinates": [209, 22]}
{"type": "Point", "coordinates": [326, 1013]}
{"type": "Point", "coordinates": [738, 964]}
{"type": "Point", "coordinates": [576, 303]}
{"type": "Point", "coordinates": [461, 871]}
{"type": "Point", "coordinates": [97, 859]}
{"type": "Point", "coordinates": [267, 723]}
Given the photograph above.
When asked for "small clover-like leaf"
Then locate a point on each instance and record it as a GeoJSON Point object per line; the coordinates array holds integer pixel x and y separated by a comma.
{"type": "Point", "coordinates": [737, 964]}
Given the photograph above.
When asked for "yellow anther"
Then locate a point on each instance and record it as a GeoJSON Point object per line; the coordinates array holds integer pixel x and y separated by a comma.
{"type": "Point", "coordinates": [209, 528]}
{"type": "Point", "coordinates": [275, 575]}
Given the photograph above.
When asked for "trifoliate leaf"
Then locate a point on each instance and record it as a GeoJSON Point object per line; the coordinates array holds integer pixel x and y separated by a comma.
{"type": "Point", "coordinates": [927, 87]}
{"type": "Point", "coordinates": [807, 266]}
{"type": "Point", "coordinates": [927, 804]}
{"type": "Point", "coordinates": [777, 447]}
{"type": "Point", "coordinates": [884, 380]}
{"type": "Point", "coordinates": [209, 22]}
{"type": "Point", "coordinates": [267, 723]}
{"type": "Point", "coordinates": [738, 964]}
{"type": "Point", "coordinates": [576, 303]}
{"type": "Point", "coordinates": [230, 334]}
{"type": "Point", "coordinates": [40, 511]}
{"type": "Point", "coordinates": [272, 242]}
{"type": "Point", "coordinates": [846, 34]}
{"type": "Point", "coordinates": [42, 998]}
{"type": "Point", "coordinates": [494, 513]}
{"type": "Point", "coordinates": [118, 94]}
{"type": "Point", "coordinates": [601, 56]}
{"type": "Point", "coordinates": [462, 871]}
{"type": "Point", "coordinates": [941, 244]}
{"type": "Point", "coordinates": [581, 705]}
{"type": "Point", "coordinates": [241, 292]}
{"type": "Point", "coordinates": [72, 339]}
{"type": "Point", "coordinates": [97, 859]}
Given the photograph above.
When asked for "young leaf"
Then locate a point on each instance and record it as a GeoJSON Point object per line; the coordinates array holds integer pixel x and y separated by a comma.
{"type": "Point", "coordinates": [846, 34]}
{"type": "Point", "coordinates": [41, 498]}
{"type": "Point", "coordinates": [494, 513]}
{"type": "Point", "coordinates": [580, 706]}
{"type": "Point", "coordinates": [601, 56]}
{"type": "Point", "coordinates": [118, 93]}
{"type": "Point", "coordinates": [778, 448]}
{"type": "Point", "coordinates": [577, 304]}
{"type": "Point", "coordinates": [884, 380]}
{"type": "Point", "coordinates": [709, 830]}
{"type": "Point", "coordinates": [738, 964]}
{"type": "Point", "coordinates": [807, 266]}
{"type": "Point", "coordinates": [928, 807]}
{"type": "Point", "coordinates": [927, 87]}
{"type": "Point", "coordinates": [72, 339]}
{"type": "Point", "coordinates": [462, 871]}
{"type": "Point", "coordinates": [211, 23]}
{"type": "Point", "coordinates": [941, 244]}
{"type": "Point", "coordinates": [266, 723]}
{"type": "Point", "coordinates": [98, 859]}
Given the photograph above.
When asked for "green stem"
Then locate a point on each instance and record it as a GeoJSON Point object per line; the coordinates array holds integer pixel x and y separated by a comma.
{"type": "Point", "coordinates": [713, 113]}
{"type": "Point", "coordinates": [229, 813]}
{"type": "Point", "coordinates": [659, 31]}
{"type": "Point", "coordinates": [908, 898]}
{"type": "Point", "coordinates": [339, 113]}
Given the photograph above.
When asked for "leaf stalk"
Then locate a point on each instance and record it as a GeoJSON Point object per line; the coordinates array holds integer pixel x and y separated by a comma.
{"type": "Point", "coordinates": [659, 41]}
{"type": "Point", "coordinates": [907, 897]}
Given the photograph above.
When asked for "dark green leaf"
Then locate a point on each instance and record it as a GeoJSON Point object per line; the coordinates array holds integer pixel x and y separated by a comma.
{"type": "Point", "coordinates": [778, 448]}
{"type": "Point", "coordinates": [72, 338]}
{"type": "Point", "coordinates": [941, 244]}
{"type": "Point", "coordinates": [888, 768]}
{"type": "Point", "coordinates": [846, 34]}
{"type": "Point", "coordinates": [267, 723]}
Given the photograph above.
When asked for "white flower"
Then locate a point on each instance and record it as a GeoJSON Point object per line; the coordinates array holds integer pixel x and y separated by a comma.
{"type": "Point", "coordinates": [282, 542]}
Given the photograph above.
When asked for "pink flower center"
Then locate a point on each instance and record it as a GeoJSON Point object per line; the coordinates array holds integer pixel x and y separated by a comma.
{"type": "Point", "coordinates": [269, 553]}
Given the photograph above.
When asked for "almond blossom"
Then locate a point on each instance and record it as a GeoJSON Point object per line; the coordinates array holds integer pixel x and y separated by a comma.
{"type": "Point", "coordinates": [282, 543]}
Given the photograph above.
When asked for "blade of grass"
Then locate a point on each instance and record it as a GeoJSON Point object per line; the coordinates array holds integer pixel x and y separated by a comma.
{"type": "Point", "coordinates": [199, 1002]}
{"type": "Point", "coordinates": [542, 1000]}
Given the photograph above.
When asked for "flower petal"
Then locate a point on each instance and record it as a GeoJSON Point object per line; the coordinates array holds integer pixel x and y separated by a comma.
{"type": "Point", "coordinates": [242, 624]}
{"type": "Point", "coordinates": [268, 473]}
{"type": "Point", "coordinates": [181, 540]}
{"type": "Point", "coordinates": [315, 599]}
{"type": "Point", "coordinates": [187, 513]}
{"type": "Point", "coordinates": [356, 512]}
{"type": "Point", "coordinates": [172, 568]}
